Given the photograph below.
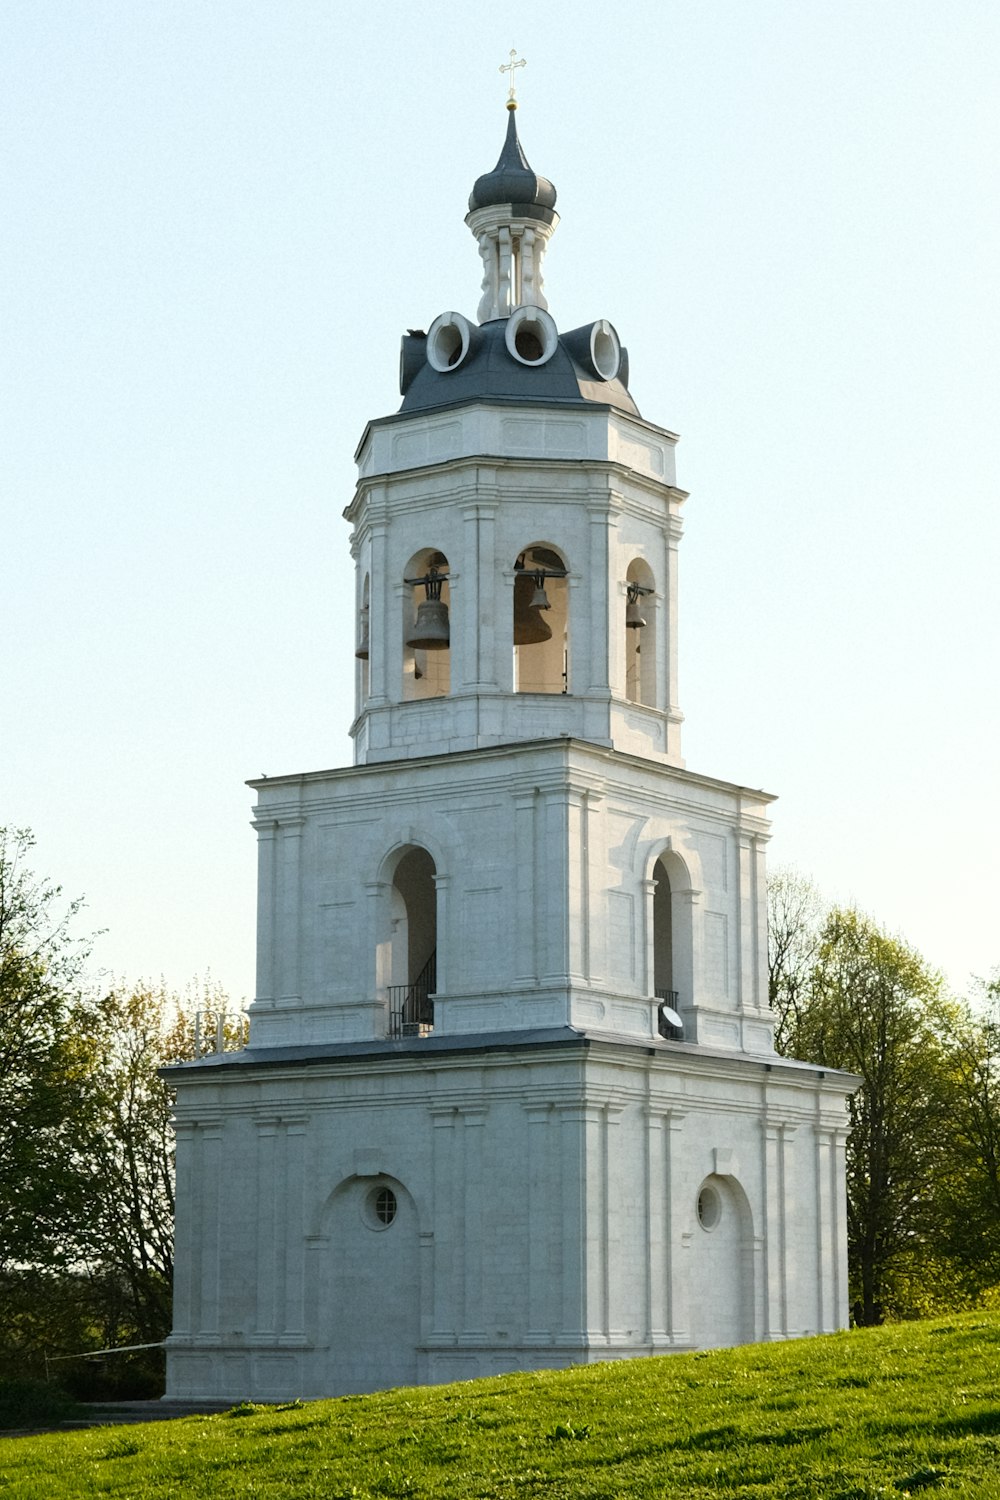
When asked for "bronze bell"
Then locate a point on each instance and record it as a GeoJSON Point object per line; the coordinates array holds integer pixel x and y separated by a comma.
{"type": "Point", "coordinates": [430, 629]}
{"type": "Point", "coordinates": [530, 625]}
{"type": "Point", "coordinates": [634, 617]}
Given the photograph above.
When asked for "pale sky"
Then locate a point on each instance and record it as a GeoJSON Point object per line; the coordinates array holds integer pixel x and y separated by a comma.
{"type": "Point", "coordinates": [218, 218]}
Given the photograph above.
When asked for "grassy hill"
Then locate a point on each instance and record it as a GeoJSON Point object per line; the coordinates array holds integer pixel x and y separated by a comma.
{"type": "Point", "coordinates": [869, 1415]}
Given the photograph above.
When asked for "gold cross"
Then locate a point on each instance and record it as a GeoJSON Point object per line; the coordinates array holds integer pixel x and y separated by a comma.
{"type": "Point", "coordinates": [509, 67]}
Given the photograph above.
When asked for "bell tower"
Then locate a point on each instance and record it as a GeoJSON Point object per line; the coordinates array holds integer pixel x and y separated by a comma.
{"type": "Point", "coordinates": [521, 448]}
{"type": "Point", "coordinates": [518, 941]}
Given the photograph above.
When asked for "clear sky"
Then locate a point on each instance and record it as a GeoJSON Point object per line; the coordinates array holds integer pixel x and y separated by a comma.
{"type": "Point", "coordinates": [217, 220]}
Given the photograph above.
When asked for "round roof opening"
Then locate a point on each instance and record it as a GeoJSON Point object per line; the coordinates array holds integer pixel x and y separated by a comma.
{"type": "Point", "coordinates": [448, 340]}
{"type": "Point", "coordinates": [605, 350]}
{"type": "Point", "coordinates": [531, 336]}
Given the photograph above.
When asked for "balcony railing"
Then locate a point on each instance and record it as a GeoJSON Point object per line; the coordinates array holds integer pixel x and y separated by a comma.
{"type": "Point", "coordinates": [669, 1000]}
{"type": "Point", "coordinates": [411, 1006]}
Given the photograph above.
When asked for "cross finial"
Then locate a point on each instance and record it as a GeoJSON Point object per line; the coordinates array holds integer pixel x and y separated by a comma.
{"type": "Point", "coordinates": [508, 67]}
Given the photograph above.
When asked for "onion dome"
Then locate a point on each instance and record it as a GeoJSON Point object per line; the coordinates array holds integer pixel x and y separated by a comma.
{"type": "Point", "coordinates": [513, 182]}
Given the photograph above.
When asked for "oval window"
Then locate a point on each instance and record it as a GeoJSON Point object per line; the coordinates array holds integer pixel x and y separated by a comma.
{"type": "Point", "coordinates": [381, 1208]}
{"type": "Point", "coordinates": [709, 1207]}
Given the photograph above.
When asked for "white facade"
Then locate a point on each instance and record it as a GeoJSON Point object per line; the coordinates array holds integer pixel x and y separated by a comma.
{"type": "Point", "coordinates": [510, 1099]}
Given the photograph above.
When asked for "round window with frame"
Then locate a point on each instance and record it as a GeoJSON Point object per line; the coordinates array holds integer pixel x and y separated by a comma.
{"type": "Point", "coordinates": [709, 1206]}
{"type": "Point", "coordinates": [380, 1207]}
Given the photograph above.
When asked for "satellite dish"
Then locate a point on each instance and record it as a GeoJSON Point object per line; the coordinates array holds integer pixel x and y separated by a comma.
{"type": "Point", "coordinates": [669, 1023]}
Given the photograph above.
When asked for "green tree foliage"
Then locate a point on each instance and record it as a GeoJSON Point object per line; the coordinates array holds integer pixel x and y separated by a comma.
{"type": "Point", "coordinates": [130, 1152]}
{"type": "Point", "coordinates": [923, 1152]}
{"type": "Point", "coordinates": [969, 1187]}
{"type": "Point", "coordinates": [874, 1010]}
{"type": "Point", "coordinates": [44, 1064]}
{"type": "Point", "coordinates": [86, 1150]}
{"type": "Point", "coordinates": [795, 914]}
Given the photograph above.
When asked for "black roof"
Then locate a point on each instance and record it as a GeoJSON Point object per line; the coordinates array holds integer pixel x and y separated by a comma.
{"type": "Point", "coordinates": [512, 181]}
{"type": "Point", "coordinates": [489, 371]}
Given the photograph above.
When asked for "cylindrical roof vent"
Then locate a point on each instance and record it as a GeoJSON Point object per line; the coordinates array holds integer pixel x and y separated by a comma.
{"type": "Point", "coordinates": [597, 348]}
{"type": "Point", "coordinates": [449, 340]}
{"type": "Point", "coordinates": [531, 335]}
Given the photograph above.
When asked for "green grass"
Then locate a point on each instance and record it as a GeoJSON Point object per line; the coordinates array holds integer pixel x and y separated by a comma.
{"type": "Point", "coordinates": [874, 1415]}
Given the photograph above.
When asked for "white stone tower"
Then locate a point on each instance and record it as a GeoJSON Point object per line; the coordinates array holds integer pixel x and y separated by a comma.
{"type": "Point", "coordinates": [510, 1099]}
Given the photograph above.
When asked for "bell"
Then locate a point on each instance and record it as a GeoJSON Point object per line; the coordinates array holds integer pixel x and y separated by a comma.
{"type": "Point", "coordinates": [430, 629]}
{"type": "Point", "coordinates": [362, 652]}
{"type": "Point", "coordinates": [530, 626]}
{"type": "Point", "coordinates": [634, 617]}
{"type": "Point", "coordinates": [539, 599]}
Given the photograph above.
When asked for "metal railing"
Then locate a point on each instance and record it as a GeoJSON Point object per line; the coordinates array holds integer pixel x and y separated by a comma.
{"type": "Point", "coordinates": [220, 1031]}
{"type": "Point", "coordinates": [668, 1000]}
{"type": "Point", "coordinates": [411, 1006]}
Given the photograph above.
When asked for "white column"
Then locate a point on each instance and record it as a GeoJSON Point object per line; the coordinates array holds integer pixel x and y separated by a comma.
{"type": "Point", "coordinates": [542, 1268]}
{"type": "Point", "coordinates": [593, 673]}
{"type": "Point", "coordinates": [572, 1191]}
{"type": "Point", "coordinates": [746, 967]}
{"type": "Point", "coordinates": [578, 886]}
{"type": "Point", "coordinates": [445, 936]}
{"type": "Point", "coordinates": [208, 1229]}
{"type": "Point", "coordinates": [667, 1266]}
{"type": "Point", "coordinates": [668, 655]}
{"type": "Point", "coordinates": [185, 1246]}
{"type": "Point", "coordinates": [266, 881]}
{"type": "Point", "coordinates": [289, 910]}
{"type": "Point", "coordinates": [294, 1228]}
{"type": "Point", "coordinates": [779, 1207]}
{"type": "Point", "coordinates": [266, 1227]}
{"type": "Point", "coordinates": [473, 1321]}
{"type": "Point", "coordinates": [839, 1194]}
{"type": "Point", "coordinates": [525, 959]}
{"type": "Point", "coordinates": [447, 1290]}
{"type": "Point", "coordinates": [381, 596]}
{"type": "Point", "coordinates": [646, 969]}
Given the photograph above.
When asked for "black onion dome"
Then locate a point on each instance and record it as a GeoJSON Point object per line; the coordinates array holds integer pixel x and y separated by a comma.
{"type": "Point", "coordinates": [512, 181]}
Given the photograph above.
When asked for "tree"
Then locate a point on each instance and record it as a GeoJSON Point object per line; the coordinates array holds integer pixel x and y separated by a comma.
{"type": "Point", "coordinates": [970, 1188]}
{"type": "Point", "coordinates": [130, 1151]}
{"type": "Point", "coordinates": [86, 1151]}
{"type": "Point", "coordinates": [44, 1063]}
{"type": "Point", "coordinates": [795, 913]}
{"type": "Point", "coordinates": [871, 1005]}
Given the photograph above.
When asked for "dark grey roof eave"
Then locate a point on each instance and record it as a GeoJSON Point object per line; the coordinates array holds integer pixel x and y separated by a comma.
{"type": "Point", "coordinates": [486, 752]}
{"type": "Point", "coordinates": [426, 1049]}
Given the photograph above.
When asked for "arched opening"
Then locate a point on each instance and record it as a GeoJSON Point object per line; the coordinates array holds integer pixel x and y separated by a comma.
{"type": "Point", "coordinates": [412, 966]}
{"type": "Point", "coordinates": [368, 1294]}
{"type": "Point", "coordinates": [722, 1290]}
{"type": "Point", "coordinates": [541, 621]}
{"type": "Point", "coordinates": [663, 939]}
{"type": "Point", "coordinates": [364, 638]}
{"type": "Point", "coordinates": [426, 626]}
{"type": "Point", "coordinates": [672, 885]}
{"type": "Point", "coordinates": [640, 634]}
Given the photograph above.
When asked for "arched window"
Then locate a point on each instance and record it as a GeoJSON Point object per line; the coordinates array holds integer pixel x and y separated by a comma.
{"type": "Point", "coordinates": [412, 940]}
{"type": "Point", "coordinates": [426, 626]}
{"type": "Point", "coordinates": [640, 634]}
{"type": "Point", "coordinates": [541, 621]}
